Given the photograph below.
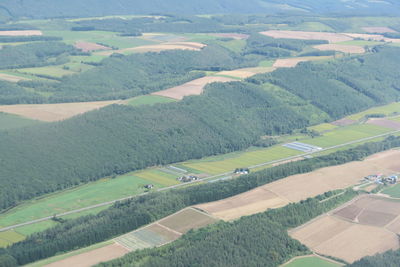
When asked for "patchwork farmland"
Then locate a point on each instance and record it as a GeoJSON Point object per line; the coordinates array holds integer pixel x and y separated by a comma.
{"type": "Point", "coordinates": [365, 226]}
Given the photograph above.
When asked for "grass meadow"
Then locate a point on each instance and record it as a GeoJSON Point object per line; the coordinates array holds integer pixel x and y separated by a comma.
{"type": "Point", "coordinates": [148, 100]}
{"type": "Point", "coordinates": [311, 261]}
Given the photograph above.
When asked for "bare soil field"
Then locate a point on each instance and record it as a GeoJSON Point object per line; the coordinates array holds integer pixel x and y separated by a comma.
{"type": "Point", "coordinates": [92, 257]}
{"type": "Point", "coordinates": [343, 122]}
{"type": "Point", "coordinates": [236, 36]}
{"type": "Point", "coordinates": [158, 48]}
{"type": "Point", "coordinates": [372, 37]}
{"type": "Point", "coordinates": [292, 62]}
{"type": "Point", "coordinates": [328, 36]}
{"type": "Point", "coordinates": [341, 48]}
{"type": "Point", "coordinates": [246, 72]}
{"type": "Point", "coordinates": [54, 112]}
{"type": "Point", "coordinates": [377, 29]}
{"type": "Point", "coordinates": [363, 227]}
{"type": "Point", "coordinates": [302, 186]}
{"type": "Point", "coordinates": [395, 125]}
{"type": "Point", "coordinates": [11, 78]}
{"type": "Point", "coordinates": [194, 87]}
{"type": "Point", "coordinates": [186, 220]}
{"type": "Point", "coordinates": [89, 47]}
{"type": "Point", "coordinates": [20, 33]}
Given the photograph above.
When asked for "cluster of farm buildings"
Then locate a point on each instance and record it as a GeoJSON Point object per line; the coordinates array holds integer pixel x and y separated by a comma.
{"type": "Point", "coordinates": [382, 179]}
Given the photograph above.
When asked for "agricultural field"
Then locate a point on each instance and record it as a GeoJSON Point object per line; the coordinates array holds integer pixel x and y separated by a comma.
{"type": "Point", "coordinates": [292, 62]}
{"type": "Point", "coordinates": [365, 226]}
{"type": "Point", "coordinates": [386, 110]}
{"type": "Point", "coordinates": [56, 71]}
{"type": "Point", "coordinates": [53, 112]}
{"type": "Point", "coordinates": [11, 78]}
{"type": "Point", "coordinates": [353, 49]}
{"type": "Point", "coordinates": [395, 125]}
{"type": "Point", "coordinates": [9, 237]}
{"type": "Point", "coordinates": [245, 72]}
{"type": "Point", "coordinates": [90, 194]}
{"type": "Point", "coordinates": [213, 165]}
{"type": "Point", "coordinates": [10, 121]}
{"type": "Point", "coordinates": [21, 33]}
{"type": "Point", "coordinates": [148, 100]}
{"type": "Point", "coordinates": [346, 134]}
{"type": "Point", "coordinates": [302, 186]}
{"type": "Point", "coordinates": [393, 191]}
{"type": "Point", "coordinates": [311, 261]}
{"type": "Point", "coordinates": [303, 35]}
{"type": "Point", "coordinates": [323, 127]}
{"type": "Point", "coordinates": [194, 87]}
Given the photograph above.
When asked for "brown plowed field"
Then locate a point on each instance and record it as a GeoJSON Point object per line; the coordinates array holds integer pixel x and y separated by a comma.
{"type": "Point", "coordinates": [343, 122]}
{"type": "Point", "coordinates": [92, 257]}
{"type": "Point", "coordinates": [54, 112]}
{"type": "Point", "coordinates": [363, 227]}
{"type": "Point", "coordinates": [89, 47]}
{"type": "Point", "coordinates": [236, 36]}
{"type": "Point", "coordinates": [11, 78]}
{"type": "Point", "coordinates": [341, 48]}
{"type": "Point", "coordinates": [246, 72]}
{"type": "Point", "coordinates": [194, 87]}
{"type": "Point", "coordinates": [20, 33]}
{"type": "Point", "coordinates": [302, 186]}
{"type": "Point", "coordinates": [395, 125]}
{"type": "Point", "coordinates": [292, 62]}
{"type": "Point", "coordinates": [158, 48]}
{"type": "Point", "coordinates": [373, 37]}
{"type": "Point", "coordinates": [377, 29]}
{"type": "Point", "coordinates": [328, 36]}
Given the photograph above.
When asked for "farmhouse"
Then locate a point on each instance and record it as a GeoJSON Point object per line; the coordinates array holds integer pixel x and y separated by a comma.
{"type": "Point", "coordinates": [148, 186]}
{"type": "Point", "coordinates": [186, 179]}
{"type": "Point", "coordinates": [242, 171]}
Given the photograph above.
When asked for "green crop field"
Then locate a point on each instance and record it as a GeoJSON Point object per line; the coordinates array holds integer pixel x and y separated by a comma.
{"type": "Point", "coordinates": [198, 37]}
{"type": "Point", "coordinates": [323, 127]}
{"type": "Point", "coordinates": [52, 71]}
{"type": "Point", "coordinates": [386, 110]}
{"type": "Point", "coordinates": [311, 261]}
{"type": "Point", "coordinates": [245, 159]}
{"type": "Point", "coordinates": [346, 134]}
{"type": "Point", "coordinates": [86, 195]}
{"type": "Point", "coordinates": [312, 26]}
{"type": "Point", "coordinates": [9, 237]}
{"type": "Point", "coordinates": [234, 45]}
{"type": "Point", "coordinates": [266, 63]}
{"type": "Point", "coordinates": [148, 100]}
{"type": "Point", "coordinates": [10, 121]}
{"type": "Point", "coordinates": [393, 191]}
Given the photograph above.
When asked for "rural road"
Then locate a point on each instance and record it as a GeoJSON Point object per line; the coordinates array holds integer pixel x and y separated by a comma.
{"type": "Point", "coordinates": [221, 176]}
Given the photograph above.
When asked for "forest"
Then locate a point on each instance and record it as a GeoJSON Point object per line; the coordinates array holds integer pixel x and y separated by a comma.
{"type": "Point", "coordinates": [132, 214]}
{"type": "Point", "coordinates": [387, 259]}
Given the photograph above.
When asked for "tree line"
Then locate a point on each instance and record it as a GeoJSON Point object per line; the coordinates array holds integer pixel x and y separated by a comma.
{"type": "Point", "coordinates": [129, 215]}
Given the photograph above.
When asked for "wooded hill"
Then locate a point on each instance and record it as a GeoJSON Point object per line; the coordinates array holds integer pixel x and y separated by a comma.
{"type": "Point", "coordinates": [227, 117]}
{"type": "Point", "coordinates": [87, 8]}
{"type": "Point", "coordinates": [131, 214]}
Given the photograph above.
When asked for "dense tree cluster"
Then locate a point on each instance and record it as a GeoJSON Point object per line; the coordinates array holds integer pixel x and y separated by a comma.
{"type": "Point", "coordinates": [132, 214]}
{"type": "Point", "coordinates": [35, 55]}
{"type": "Point", "coordinates": [387, 259]}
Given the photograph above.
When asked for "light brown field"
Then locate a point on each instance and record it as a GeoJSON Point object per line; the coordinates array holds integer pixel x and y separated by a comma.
{"type": "Point", "coordinates": [343, 122]}
{"type": "Point", "coordinates": [377, 29]}
{"type": "Point", "coordinates": [54, 112]}
{"type": "Point", "coordinates": [362, 227]}
{"type": "Point", "coordinates": [302, 186]}
{"type": "Point", "coordinates": [158, 48]}
{"type": "Point", "coordinates": [11, 78]}
{"type": "Point", "coordinates": [89, 47]}
{"type": "Point", "coordinates": [93, 257]}
{"type": "Point", "coordinates": [186, 220]}
{"type": "Point", "coordinates": [236, 36]}
{"type": "Point", "coordinates": [341, 48]}
{"type": "Point", "coordinates": [246, 72]}
{"type": "Point", "coordinates": [292, 62]}
{"type": "Point", "coordinates": [194, 87]}
{"type": "Point", "coordinates": [395, 125]}
{"type": "Point", "coordinates": [372, 37]}
{"type": "Point", "coordinates": [301, 35]}
{"type": "Point", "coordinates": [20, 33]}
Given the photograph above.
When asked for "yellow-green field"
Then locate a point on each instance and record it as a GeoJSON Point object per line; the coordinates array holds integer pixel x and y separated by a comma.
{"type": "Point", "coordinates": [386, 110]}
{"type": "Point", "coordinates": [246, 159]}
{"type": "Point", "coordinates": [148, 100]}
{"type": "Point", "coordinates": [9, 237]}
{"type": "Point", "coordinates": [323, 127]}
{"type": "Point", "coordinates": [52, 71]}
{"type": "Point", "coordinates": [311, 261]}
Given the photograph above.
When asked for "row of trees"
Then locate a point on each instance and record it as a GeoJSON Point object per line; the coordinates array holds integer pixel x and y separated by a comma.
{"type": "Point", "coordinates": [132, 214]}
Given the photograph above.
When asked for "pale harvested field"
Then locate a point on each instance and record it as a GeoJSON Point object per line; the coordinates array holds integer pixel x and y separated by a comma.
{"type": "Point", "coordinates": [364, 227]}
{"type": "Point", "coordinates": [20, 33]}
{"type": "Point", "coordinates": [89, 47]}
{"type": "Point", "coordinates": [246, 72]}
{"type": "Point", "coordinates": [302, 186]}
{"type": "Point", "coordinates": [92, 257]}
{"type": "Point", "coordinates": [377, 29]}
{"type": "Point", "coordinates": [328, 36]}
{"type": "Point", "coordinates": [341, 48]}
{"type": "Point", "coordinates": [343, 122]}
{"type": "Point", "coordinates": [158, 48]}
{"type": "Point", "coordinates": [54, 112]}
{"type": "Point", "coordinates": [236, 36]}
{"type": "Point", "coordinates": [292, 62]}
{"type": "Point", "coordinates": [373, 37]}
{"type": "Point", "coordinates": [395, 125]}
{"type": "Point", "coordinates": [11, 78]}
{"type": "Point", "coordinates": [194, 87]}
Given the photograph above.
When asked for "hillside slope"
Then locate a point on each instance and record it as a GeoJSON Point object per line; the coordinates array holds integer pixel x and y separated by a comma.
{"type": "Point", "coordinates": [77, 8]}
